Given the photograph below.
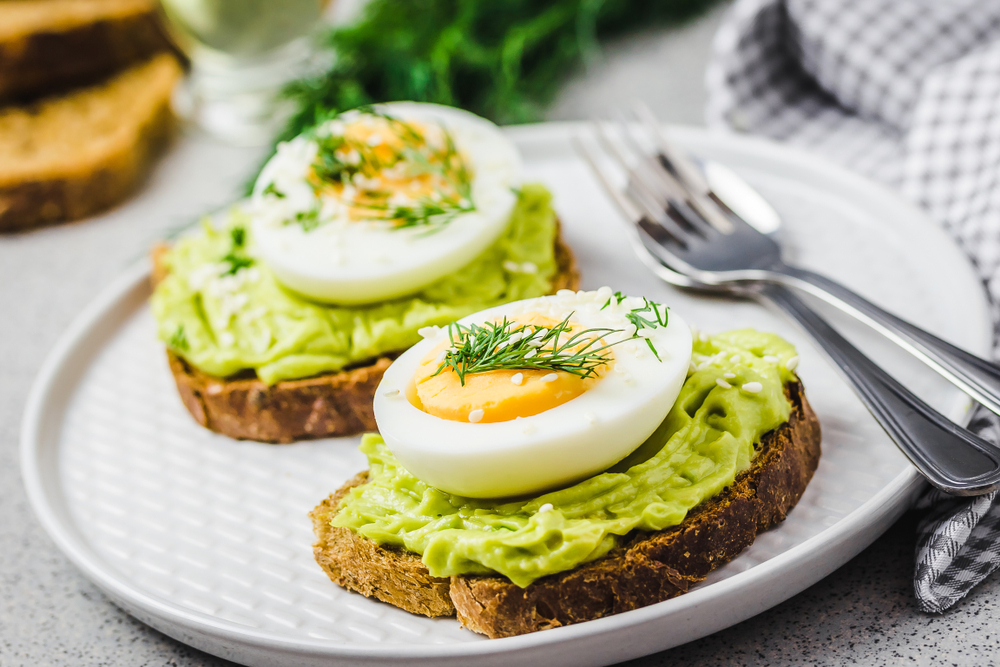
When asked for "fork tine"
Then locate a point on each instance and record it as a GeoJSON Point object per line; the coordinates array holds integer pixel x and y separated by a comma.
{"type": "Point", "coordinates": [665, 187]}
{"type": "Point", "coordinates": [663, 215]}
{"type": "Point", "coordinates": [637, 226]}
{"type": "Point", "coordinates": [689, 177]}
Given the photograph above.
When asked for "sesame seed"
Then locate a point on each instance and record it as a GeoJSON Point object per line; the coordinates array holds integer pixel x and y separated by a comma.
{"type": "Point", "coordinates": [735, 359]}
{"type": "Point", "coordinates": [792, 363]}
{"type": "Point", "coordinates": [511, 267]}
{"type": "Point", "coordinates": [752, 387]}
{"type": "Point", "coordinates": [551, 377]}
{"type": "Point", "coordinates": [476, 416]}
{"type": "Point", "coordinates": [547, 507]}
{"type": "Point", "coordinates": [703, 337]}
{"type": "Point", "coordinates": [517, 378]}
{"type": "Point", "coordinates": [722, 383]}
{"type": "Point", "coordinates": [692, 367]}
{"type": "Point", "coordinates": [590, 417]}
{"type": "Point", "coordinates": [529, 267]}
{"type": "Point", "coordinates": [771, 359]}
{"type": "Point", "coordinates": [729, 376]}
{"type": "Point", "coordinates": [392, 393]}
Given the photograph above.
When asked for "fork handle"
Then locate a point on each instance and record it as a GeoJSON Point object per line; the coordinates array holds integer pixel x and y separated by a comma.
{"type": "Point", "coordinates": [977, 377]}
{"type": "Point", "coordinates": [952, 458]}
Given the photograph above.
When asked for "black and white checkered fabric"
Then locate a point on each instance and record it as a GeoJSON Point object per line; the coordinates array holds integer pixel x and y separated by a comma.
{"type": "Point", "coordinates": [907, 92]}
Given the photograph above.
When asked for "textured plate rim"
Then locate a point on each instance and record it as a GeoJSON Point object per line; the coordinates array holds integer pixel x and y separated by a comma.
{"type": "Point", "coordinates": [870, 519]}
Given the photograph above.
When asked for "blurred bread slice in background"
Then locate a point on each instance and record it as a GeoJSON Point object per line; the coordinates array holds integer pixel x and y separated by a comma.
{"type": "Point", "coordinates": [67, 156]}
{"type": "Point", "coordinates": [47, 45]}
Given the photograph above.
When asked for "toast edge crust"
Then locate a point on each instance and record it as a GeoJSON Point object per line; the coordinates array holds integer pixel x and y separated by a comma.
{"type": "Point", "coordinates": [649, 568]}
{"type": "Point", "coordinates": [334, 404]}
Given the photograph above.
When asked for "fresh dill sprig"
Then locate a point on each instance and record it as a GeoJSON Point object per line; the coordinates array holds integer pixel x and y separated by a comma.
{"type": "Point", "coordinates": [660, 319]}
{"type": "Point", "coordinates": [509, 345]}
{"type": "Point", "coordinates": [178, 340]}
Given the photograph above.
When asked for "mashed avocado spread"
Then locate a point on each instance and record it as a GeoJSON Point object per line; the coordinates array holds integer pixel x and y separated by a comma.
{"type": "Point", "coordinates": [224, 312]}
{"type": "Point", "coordinates": [710, 435]}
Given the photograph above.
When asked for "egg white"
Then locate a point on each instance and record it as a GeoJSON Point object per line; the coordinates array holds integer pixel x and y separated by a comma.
{"type": "Point", "coordinates": [357, 262]}
{"type": "Point", "coordinates": [577, 439]}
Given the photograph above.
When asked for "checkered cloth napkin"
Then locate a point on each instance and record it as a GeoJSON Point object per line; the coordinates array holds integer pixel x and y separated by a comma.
{"type": "Point", "coordinates": [907, 92]}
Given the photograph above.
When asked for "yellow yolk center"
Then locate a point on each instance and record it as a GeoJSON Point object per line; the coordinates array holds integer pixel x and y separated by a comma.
{"type": "Point", "coordinates": [502, 394]}
{"type": "Point", "coordinates": [381, 150]}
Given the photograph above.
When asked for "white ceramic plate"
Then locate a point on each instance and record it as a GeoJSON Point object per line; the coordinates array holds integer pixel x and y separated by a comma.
{"type": "Point", "coordinates": [207, 539]}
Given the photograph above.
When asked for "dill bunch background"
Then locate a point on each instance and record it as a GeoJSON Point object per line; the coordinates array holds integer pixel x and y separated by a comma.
{"type": "Point", "coordinates": [502, 59]}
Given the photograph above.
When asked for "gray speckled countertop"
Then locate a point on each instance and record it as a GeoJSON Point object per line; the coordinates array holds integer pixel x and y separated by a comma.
{"type": "Point", "coordinates": [864, 613]}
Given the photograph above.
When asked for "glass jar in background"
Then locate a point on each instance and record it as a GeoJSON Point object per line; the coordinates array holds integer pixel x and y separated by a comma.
{"type": "Point", "coordinates": [242, 52]}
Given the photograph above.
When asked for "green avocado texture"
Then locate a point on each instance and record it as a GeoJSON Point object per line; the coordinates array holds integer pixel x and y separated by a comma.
{"type": "Point", "coordinates": [709, 436]}
{"type": "Point", "coordinates": [224, 312]}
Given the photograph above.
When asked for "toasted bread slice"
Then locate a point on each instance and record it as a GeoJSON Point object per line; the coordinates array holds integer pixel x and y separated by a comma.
{"type": "Point", "coordinates": [50, 44]}
{"type": "Point", "coordinates": [67, 157]}
{"type": "Point", "coordinates": [334, 404]}
{"type": "Point", "coordinates": [647, 568]}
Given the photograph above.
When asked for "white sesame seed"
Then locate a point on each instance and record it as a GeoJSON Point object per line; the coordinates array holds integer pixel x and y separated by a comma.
{"type": "Point", "coordinates": [722, 383]}
{"type": "Point", "coordinates": [692, 367]}
{"type": "Point", "coordinates": [735, 359]}
{"type": "Point", "coordinates": [771, 359]}
{"type": "Point", "coordinates": [729, 376]}
{"type": "Point", "coordinates": [547, 507]}
{"type": "Point", "coordinates": [227, 339]}
{"type": "Point", "coordinates": [792, 363]}
{"type": "Point", "coordinates": [703, 337]}
{"type": "Point", "coordinates": [705, 364]}
{"type": "Point", "coordinates": [214, 389]}
{"type": "Point", "coordinates": [476, 416]}
{"type": "Point", "coordinates": [551, 377]}
{"type": "Point", "coordinates": [752, 387]}
{"type": "Point", "coordinates": [511, 267]}
{"type": "Point", "coordinates": [529, 267]}
{"type": "Point", "coordinates": [590, 417]}
{"type": "Point", "coordinates": [517, 378]}
{"type": "Point", "coordinates": [392, 393]}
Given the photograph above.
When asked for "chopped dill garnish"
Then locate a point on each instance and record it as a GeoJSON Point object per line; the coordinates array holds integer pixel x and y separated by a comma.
{"type": "Point", "coordinates": [272, 190]}
{"type": "Point", "coordinates": [309, 220]}
{"type": "Point", "coordinates": [618, 298]}
{"type": "Point", "coordinates": [236, 257]}
{"type": "Point", "coordinates": [178, 340]}
{"type": "Point", "coordinates": [660, 319]}
{"type": "Point", "coordinates": [343, 161]}
{"type": "Point", "coordinates": [510, 345]}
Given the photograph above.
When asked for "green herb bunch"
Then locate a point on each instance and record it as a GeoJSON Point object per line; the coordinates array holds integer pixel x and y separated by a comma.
{"type": "Point", "coordinates": [502, 59]}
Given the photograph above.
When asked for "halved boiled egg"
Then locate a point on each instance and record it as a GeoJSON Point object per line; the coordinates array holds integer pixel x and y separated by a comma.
{"type": "Point", "coordinates": [378, 204]}
{"type": "Point", "coordinates": [535, 394]}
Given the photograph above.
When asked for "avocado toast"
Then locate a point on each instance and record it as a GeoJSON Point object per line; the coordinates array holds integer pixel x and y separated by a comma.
{"type": "Point", "coordinates": [731, 457]}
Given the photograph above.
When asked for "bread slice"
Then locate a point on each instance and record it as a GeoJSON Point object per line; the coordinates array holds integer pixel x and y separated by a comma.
{"type": "Point", "coordinates": [67, 157]}
{"type": "Point", "coordinates": [50, 44]}
{"type": "Point", "coordinates": [333, 404]}
{"type": "Point", "coordinates": [647, 568]}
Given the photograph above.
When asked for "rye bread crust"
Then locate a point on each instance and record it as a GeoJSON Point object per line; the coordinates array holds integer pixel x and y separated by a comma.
{"type": "Point", "coordinates": [112, 168]}
{"type": "Point", "coordinates": [71, 50]}
{"type": "Point", "coordinates": [334, 404]}
{"type": "Point", "coordinates": [647, 568]}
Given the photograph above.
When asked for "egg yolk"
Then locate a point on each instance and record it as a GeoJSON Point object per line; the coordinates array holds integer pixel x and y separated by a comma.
{"type": "Point", "coordinates": [501, 394]}
{"type": "Point", "coordinates": [389, 164]}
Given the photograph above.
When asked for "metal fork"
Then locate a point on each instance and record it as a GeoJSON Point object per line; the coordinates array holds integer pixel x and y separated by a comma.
{"type": "Point", "coordinates": [683, 248]}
